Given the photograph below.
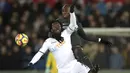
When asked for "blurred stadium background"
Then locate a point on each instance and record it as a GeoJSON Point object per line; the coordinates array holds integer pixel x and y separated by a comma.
{"type": "Point", "coordinates": [109, 19]}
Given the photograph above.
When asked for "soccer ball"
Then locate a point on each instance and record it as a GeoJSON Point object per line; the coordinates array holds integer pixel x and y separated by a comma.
{"type": "Point", "coordinates": [21, 39]}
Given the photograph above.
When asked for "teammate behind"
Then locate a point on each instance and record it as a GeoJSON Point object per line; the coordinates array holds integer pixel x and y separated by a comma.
{"type": "Point", "coordinates": [51, 64]}
{"type": "Point", "coordinates": [60, 45]}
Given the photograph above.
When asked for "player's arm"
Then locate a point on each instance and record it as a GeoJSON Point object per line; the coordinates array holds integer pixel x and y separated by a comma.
{"type": "Point", "coordinates": [73, 25]}
{"type": "Point", "coordinates": [83, 35]}
{"type": "Point", "coordinates": [39, 54]}
{"type": "Point", "coordinates": [89, 38]}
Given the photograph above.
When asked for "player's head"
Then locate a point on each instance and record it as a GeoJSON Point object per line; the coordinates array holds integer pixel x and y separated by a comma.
{"type": "Point", "coordinates": [66, 11]}
{"type": "Point", "coordinates": [56, 28]}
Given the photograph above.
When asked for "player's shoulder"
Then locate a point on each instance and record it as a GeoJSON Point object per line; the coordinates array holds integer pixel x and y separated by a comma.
{"type": "Point", "coordinates": [50, 40]}
{"type": "Point", "coordinates": [61, 19]}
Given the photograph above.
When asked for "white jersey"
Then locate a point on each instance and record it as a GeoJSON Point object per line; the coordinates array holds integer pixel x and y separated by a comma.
{"type": "Point", "coordinates": [62, 51]}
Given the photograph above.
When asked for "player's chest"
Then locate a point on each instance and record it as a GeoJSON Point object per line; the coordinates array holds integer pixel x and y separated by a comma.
{"type": "Point", "coordinates": [57, 46]}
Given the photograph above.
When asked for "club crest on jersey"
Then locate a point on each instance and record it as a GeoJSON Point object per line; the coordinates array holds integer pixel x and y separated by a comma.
{"type": "Point", "coordinates": [59, 44]}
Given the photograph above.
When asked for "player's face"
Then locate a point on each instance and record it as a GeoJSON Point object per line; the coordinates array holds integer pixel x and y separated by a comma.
{"type": "Point", "coordinates": [65, 11]}
{"type": "Point", "coordinates": [56, 28]}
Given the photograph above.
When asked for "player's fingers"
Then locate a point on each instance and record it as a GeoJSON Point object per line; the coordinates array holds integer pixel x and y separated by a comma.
{"type": "Point", "coordinates": [97, 67]}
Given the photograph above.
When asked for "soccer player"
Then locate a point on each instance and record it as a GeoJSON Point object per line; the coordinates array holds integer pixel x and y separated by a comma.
{"type": "Point", "coordinates": [60, 45]}
{"type": "Point", "coordinates": [51, 64]}
{"type": "Point", "coordinates": [76, 38]}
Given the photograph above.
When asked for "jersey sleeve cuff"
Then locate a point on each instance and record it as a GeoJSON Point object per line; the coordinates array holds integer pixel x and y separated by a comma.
{"type": "Point", "coordinates": [41, 52]}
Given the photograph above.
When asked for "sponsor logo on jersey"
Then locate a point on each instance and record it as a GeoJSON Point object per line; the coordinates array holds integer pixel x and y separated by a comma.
{"type": "Point", "coordinates": [59, 44]}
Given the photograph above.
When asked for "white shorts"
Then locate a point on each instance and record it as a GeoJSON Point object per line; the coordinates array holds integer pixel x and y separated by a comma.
{"type": "Point", "coordinates": [75, 67]}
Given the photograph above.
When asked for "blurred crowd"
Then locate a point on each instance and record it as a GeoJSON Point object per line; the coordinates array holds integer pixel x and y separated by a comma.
{"type": "Point", "coordinates": [33, 16]}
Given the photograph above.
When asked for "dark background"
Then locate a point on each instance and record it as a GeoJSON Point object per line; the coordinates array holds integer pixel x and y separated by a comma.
{"type": "Point", "coordinates": [32, 17]}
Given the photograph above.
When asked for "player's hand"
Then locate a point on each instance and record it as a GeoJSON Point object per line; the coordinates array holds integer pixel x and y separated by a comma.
{"type": "Point", "coordinates": [95, 69]}
{"type": "Point", "coordinates": [103, 41]}
{"type": "Point", "coordinates": [72, 8]}
{"type": "Point", "coordinates": [29, 66]}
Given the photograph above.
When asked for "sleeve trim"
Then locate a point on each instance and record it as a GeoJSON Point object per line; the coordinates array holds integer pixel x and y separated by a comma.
{"type": "Point", "coordinates": [41, 52]}
{"type": "Point", "coordinates": [70, 29]}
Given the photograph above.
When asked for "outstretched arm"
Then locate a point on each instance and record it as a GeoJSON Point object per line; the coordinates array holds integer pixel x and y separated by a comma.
{"type": "Point", "coordinates": [83, 35]}
{"type": "Point", "coordinates": [39, 54]}
{"type": "Point", "coordinates": [73, 25]}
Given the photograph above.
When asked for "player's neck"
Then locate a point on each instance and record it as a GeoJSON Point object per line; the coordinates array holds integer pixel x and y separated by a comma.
{"type": "Point", "coordinates": [57, 37]}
